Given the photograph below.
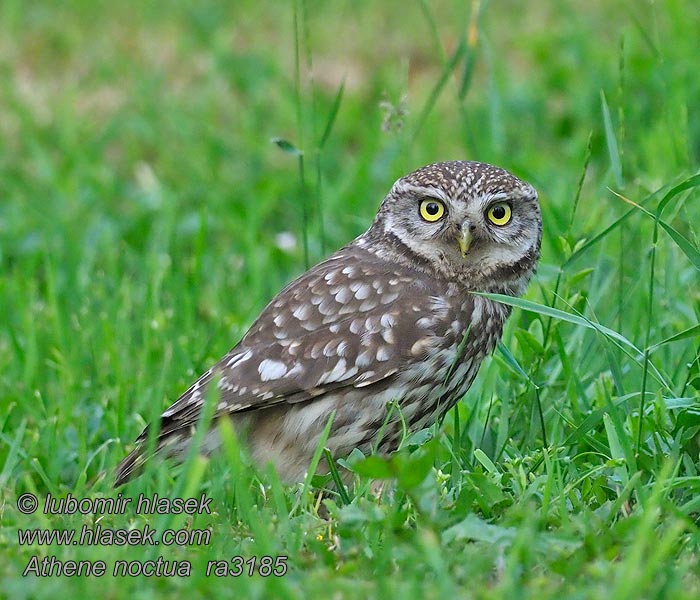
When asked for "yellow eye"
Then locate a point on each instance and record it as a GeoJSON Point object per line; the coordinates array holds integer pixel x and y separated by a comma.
{"type": "Point", "coordinates": [432, 210]}
{"type": "Point", "coordinates": [499, 214]}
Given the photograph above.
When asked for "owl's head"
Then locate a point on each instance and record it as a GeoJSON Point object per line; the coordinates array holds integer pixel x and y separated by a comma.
{"type": "Point", "coordinates": [466, 220]}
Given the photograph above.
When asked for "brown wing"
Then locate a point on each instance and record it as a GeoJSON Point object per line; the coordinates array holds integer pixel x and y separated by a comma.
{"type": "Point", "coordinates": [352, 320]}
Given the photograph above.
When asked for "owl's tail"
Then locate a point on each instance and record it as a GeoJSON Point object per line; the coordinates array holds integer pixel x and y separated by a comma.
{"type": "Point", "coordinates": [131, 466]}
{"type": "Point", "coordinates": [171, 442]}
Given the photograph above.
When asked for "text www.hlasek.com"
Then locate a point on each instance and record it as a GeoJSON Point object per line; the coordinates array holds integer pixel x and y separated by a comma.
{"type": "Point", "coordinates": [97, 536]}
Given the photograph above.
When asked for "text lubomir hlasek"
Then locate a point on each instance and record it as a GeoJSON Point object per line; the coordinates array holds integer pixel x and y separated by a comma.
{"type": "Point", "coordinates": [143, 505]}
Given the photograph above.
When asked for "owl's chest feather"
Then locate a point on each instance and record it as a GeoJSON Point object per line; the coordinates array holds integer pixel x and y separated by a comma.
{"type": "Point", "coordinates": [450, 367]}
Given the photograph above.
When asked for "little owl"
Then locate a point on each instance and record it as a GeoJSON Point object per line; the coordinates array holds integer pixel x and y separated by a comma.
{"type": "Point", "coordinates": [389, 317]}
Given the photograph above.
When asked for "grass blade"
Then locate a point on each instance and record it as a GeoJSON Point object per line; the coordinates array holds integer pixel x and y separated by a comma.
{"type": "Point", "coordinates": [438, 87]}
{"type": "Point", "coordinates": [613, 150]}
{"type": "Point", "coordinates": [683, 243]}
{"type": "Point", "coordinates": [332, 115]}
{"type": "Point", "coordinates": [313, 465]}
{"type": "Point", "coordinates": [691, 332]}
{"type": "Point", "coordinates": [689, 183]}
{"type": "Point", "coordinates": [548, 311]}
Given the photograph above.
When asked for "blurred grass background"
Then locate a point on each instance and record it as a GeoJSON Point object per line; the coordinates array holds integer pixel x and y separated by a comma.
{"type": "Point", "coordinates": [146, 217]}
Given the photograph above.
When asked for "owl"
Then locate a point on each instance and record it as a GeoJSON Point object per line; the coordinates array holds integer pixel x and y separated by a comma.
{"type": "Point", "coordinates": [388, 320]}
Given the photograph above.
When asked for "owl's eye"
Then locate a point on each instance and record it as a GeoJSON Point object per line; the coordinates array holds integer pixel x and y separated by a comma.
{"type": "Point", "coordinates": [432, 210]}
{"type": "Point", "coordinates": [499, 214]}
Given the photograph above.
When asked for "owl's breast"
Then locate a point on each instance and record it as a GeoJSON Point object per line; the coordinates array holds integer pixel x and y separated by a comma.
{"type": "Point", "coordinates": [470, 331]}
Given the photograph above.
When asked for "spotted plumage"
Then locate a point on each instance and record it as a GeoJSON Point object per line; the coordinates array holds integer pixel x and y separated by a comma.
{"type": "Point", "coordinates": [389, 317]}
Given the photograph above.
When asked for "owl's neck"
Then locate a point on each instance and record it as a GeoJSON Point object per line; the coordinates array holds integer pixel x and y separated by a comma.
{"type": "Point", "coordinates": [391, 248]}
{"type": "Point", "coordinates": [509, 279]}
{"type": "Point", "coordinates": [513, 287]}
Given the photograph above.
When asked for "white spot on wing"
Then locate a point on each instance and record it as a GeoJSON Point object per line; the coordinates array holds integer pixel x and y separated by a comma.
{"type": "Point", "coordinates": [383, 353]}
{"type": "Point", "coordinates": [330, 348]}
{"type": "Point", "coordinates": [368, 304]}
{"type": "Point", "coordinates": [364, 359]}
{"type": "Point", "coordinates": [343, 295]}
{"type": "Point", "coordinates": [425, 322]}
{"type": "Point", "coordinates": [225, 384]}
{"type": "Point", "coordinates": [336, 374]}
{"type": "Point", "coordinates": [236, 359]}
{"type": "Point", "coordinates": [349, 373]}
{"type": "Point", "coordinates": [365, 379]}
{"type": "Point", "coordinates": [271, 369]}
{"type": "Point", "coordinates": [362, 292]}
{"type": "Point", "coordinates": [357, 326]}
{"type": "Point", "coordinates": [327, 307]}
{"type": "Point", "coordinates": [420, 346]}
{"type": "Point", "coordinates": [388, 320]}
{"type": "Point", "coordinates": [302, 312]}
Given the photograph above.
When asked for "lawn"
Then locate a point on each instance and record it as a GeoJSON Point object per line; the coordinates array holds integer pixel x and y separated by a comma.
{"type": "Point", "coordinates": [166, 167]}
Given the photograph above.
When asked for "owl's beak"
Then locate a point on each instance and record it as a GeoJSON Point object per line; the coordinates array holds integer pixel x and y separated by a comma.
{"type": "Point", "coordinates": [465, 238]}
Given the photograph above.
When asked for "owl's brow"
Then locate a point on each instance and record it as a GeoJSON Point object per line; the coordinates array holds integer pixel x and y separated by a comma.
{"type": "Point", "coordinates": [489, 199]}
{"type": "Point", "coordinates": [497, 196]}
{"type": "Point", "coordinates": [421, 191]}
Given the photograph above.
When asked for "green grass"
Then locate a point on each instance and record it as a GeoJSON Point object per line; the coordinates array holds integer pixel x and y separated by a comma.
{"type": "Point", "coordinates": [141, 207]}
